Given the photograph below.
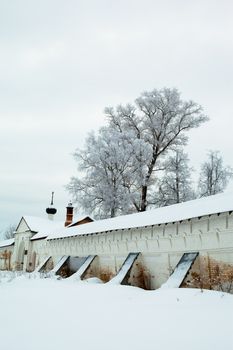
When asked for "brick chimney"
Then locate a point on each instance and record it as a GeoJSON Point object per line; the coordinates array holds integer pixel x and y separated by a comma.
{"type": "Point", "coordinates": [69, 214]}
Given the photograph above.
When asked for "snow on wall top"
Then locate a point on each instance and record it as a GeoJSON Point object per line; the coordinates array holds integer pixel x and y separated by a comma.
{"type": "Point", "coordinates": [218, 203]}
{"type": "Point", "coordinates": [7, 242]}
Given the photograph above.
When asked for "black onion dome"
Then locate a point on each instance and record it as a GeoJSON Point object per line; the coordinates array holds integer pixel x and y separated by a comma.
{"type": "Point", "coordinates": [51, 211]}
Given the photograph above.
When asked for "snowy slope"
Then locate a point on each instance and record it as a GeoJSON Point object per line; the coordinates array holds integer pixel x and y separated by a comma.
{"type": "Point", "coordinates": [42, 264]}
{"type": "Point", "coordinates": [60, 263]}
{"type": "Point", "coordinates": [49, 314]}
{"type": "Point", "coordinates": [78, 275]}
{"type": "Point", "coordinates": [125, 268]}
{"type": "Point", "coordinates": [204, 206]}
{"type": "Point", "coordinates": [181, 270]}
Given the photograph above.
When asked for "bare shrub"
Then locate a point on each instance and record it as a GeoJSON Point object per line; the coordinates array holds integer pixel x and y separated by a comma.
{"type": "Point", "coordinates": [106, 275]}
{"type": "Point", "coordinates": [212, 274]}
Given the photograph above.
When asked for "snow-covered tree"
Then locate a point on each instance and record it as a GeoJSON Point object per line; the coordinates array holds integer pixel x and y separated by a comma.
{"type": "Point", "coordinates": [214, 175]}
{"type": "Point", "coordinates": [106, 162]}
{"type": "Point", "coordinates": [159, 119]}
{"type": "Point", "coordinates": [120, 163]}
{"type": "Point", "coordinates": [176, 184]}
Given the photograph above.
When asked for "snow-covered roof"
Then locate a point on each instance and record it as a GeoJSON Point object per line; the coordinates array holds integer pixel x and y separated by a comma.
{"type": "Point", "coordinates": [79, 218]}
{"type": "Point", "coordinates": [199, 207]}
{"type": "Point", "coordinates": [42, 226]}
{"type": "Point", "coordinates": [7, 242]}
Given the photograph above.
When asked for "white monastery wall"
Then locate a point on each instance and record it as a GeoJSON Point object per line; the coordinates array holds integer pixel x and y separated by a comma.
{"type": "Point", "coordinates": [161, 246]}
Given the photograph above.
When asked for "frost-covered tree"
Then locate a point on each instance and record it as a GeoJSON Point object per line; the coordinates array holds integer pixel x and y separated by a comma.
{"type": "Point", "coordinates": [106, 163]}
{"type": "Point", "coordinates": [214, 175]}
{"type": "Point", "coordinates": [159, 119]}
{"type": "Point", "coordinates": [120, 164]}
{"type": "Point", "coordinates": [176, 184]}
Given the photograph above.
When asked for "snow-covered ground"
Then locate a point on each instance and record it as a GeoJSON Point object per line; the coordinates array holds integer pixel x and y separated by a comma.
{"type": "Point", "coordinates": [50, 314]}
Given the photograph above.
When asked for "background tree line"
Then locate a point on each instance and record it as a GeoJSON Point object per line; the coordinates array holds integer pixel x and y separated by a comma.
{"type": "Point", "coordinates": [138, 161]}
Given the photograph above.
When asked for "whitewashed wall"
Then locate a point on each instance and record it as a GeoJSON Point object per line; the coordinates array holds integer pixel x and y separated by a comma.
{"type": "Point", "coordinates": [161, 246]}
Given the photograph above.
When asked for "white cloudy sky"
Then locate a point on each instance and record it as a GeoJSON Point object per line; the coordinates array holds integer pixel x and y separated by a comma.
{"type": "Point", "coordinates": [62, 62]}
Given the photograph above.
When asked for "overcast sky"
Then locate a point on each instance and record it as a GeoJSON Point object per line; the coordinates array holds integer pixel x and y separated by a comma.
{"type": "Point", "coordinates": [62, 62]}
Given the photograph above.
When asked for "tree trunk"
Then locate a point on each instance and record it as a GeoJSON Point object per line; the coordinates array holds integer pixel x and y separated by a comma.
{"type": "Point", "coordinates": [113, 212]}
{"type": "Point", "coordinates": [177, 189]}
{"type": "Point", "coordinates": [144, 201]}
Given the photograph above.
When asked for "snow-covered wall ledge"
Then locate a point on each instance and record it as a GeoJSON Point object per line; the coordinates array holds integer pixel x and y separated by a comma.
{"type": "Point", "coordinates": [205, 233]}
